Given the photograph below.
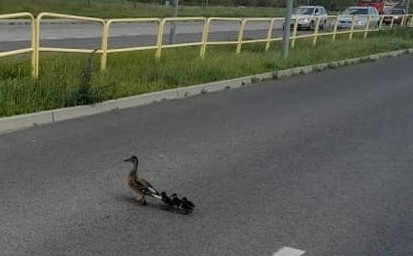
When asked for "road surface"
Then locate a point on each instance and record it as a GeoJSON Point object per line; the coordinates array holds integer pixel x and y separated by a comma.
{"type": "Point", "coordinates": [87, 35]}
{"type": "Point", "coordinates": [319, 164]}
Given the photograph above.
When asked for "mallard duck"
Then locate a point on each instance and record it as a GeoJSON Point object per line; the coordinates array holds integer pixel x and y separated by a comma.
{"type": "Point", "coordinates": [139, 185]}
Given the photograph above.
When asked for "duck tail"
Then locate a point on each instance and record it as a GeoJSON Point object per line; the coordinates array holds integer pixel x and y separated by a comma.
{"type": "Point", "coordinates": [157, 196]}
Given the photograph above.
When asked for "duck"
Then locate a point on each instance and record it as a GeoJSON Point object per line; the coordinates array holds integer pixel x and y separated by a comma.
{"type": "Point", "coordinates": [140, 185]}
{"type": "Point", "coordinates": [166, 199]}
{"type": "Point", "coordinates": [186, 205]}
{"type": "Point", "coordinates": [187, 202]}
{"type": "Point", "coordinates": [182, 204]}
{"type": "Point", "coordinates": [176, 200]}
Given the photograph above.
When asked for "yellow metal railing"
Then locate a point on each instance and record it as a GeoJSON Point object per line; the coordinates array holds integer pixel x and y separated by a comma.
{"type": "Point", "coordinates": [205, 41]}
{"type": "Point", "coordinates": [38, 48]}
{"type": "Point", "coordinates": [322, 26]}
{"type": "Point", "coordinates": [170, 20]}
{"type": "Point", "coordinates": [105, 47]}
{"type": "Point", "coordinates": [32, 38]}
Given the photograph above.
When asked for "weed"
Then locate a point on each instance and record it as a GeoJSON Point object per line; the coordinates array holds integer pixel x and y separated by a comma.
{"type": "Point", "coordinates": [84, 94]}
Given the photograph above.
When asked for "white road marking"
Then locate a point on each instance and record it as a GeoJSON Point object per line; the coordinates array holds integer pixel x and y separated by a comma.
{"type": "Point", "coordinates": [288, 251]}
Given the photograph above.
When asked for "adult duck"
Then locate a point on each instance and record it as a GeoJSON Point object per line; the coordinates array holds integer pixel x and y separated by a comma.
{"type": "Point", "coordinates": [139, 185]}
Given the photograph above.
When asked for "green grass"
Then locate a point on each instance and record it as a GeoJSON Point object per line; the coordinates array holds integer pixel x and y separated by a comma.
{"type": "Point", "coordinates": [61, 82]}
{"type": "Point", "coordinates": [121, 9]}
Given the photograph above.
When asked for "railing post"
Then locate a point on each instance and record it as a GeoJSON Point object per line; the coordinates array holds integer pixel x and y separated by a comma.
{"type": "Point", "coordinates": [104, 45]}
{"type": "Point", "coordinates": [335, 29]}
{"type": "Point", "coordinates": [294, 36]}
{"type": "Point", "coordinates": [241, 35]}
{"type": "Point", "coordinates": [37, 46]}
{"type": "Point", "coordinates": [381, 22]}
{"type": "Point", "coordinates": [205, 38]}
{"type": "Point", "coordinates": [352, 28]}
{"type": "Point", "coordinates": [160, 38]}
{"type": "Point", "coordinates": [317, 26]}
{"type": "Point", "coordinates": [367, 27]}
{"type": "Point", "coordinates": [269, 35]}
{"type": "Point", "coordinates": [33, 33]}
{"type": "Point", "coordinates": [403, 21]}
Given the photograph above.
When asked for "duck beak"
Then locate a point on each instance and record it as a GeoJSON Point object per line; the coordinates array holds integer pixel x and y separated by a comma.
{"type": "Point", "coordinates": [127, 159]}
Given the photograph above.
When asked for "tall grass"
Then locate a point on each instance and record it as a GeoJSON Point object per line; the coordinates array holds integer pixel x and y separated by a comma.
{"type": "Point", "coordinates": [61, 82]}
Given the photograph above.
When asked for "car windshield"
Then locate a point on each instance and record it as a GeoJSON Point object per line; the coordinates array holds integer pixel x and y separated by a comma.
{"type": "Point", "coordinates": [355, 11]}
{"type": "Point", "coordinates": [304, 10]}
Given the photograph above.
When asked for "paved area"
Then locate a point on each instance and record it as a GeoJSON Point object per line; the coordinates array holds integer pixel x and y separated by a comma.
{"type": "Point", "coordinates": [317, 164]}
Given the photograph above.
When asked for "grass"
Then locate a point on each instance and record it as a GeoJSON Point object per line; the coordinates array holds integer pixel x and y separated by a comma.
{"type": "Point", "coordinates": [121, 9]}
{"type": "Point", "coordinates": [62, 80]}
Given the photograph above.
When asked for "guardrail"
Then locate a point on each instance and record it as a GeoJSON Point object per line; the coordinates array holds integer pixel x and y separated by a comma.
{"type": "Point", "coordinates": [331, 26]}
{"type": "Point", "coordinates": [38, 48]}
{"type": "Point", "coordinates": [105, 39]}
{"type": "Point", "coordinates": [347, 23]}
{"type": "Point", "coordinates": [33, 37]}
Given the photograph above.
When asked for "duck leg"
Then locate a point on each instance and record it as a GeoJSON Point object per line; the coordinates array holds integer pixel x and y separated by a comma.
{"type": "Point", "coordinates": [143, 200]}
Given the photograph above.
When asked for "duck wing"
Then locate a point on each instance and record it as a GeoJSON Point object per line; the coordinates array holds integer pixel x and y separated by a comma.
{"type": "Point", "coordinates": [147, 188]}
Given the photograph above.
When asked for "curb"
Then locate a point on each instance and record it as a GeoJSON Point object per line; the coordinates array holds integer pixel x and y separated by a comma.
{"type": "Point", "coordinates": [14, 123]}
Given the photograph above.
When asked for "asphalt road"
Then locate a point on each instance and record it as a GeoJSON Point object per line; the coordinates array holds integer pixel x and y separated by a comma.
{"type": "Point", "coordinates": [321, 163]}
{"type": "Point", "coordinates": [88, 35]}
{"type": "Point", "coordinates": [130, 40]}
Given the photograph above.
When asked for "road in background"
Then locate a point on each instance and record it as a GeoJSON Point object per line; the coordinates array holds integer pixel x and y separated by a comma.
{"type": "Point", "coordinates": [88, 35]}
{"type": "Point", "coordinates": [321, 163]}
{"type": "Point", "coordinates": [127, 41]}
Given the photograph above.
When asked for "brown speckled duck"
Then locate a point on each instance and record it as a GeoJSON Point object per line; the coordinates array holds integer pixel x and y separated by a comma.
{"type": "Point", "coordinates": [139, 185]}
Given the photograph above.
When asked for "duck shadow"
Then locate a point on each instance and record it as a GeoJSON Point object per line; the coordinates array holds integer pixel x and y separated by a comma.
{"type": "Point", "coordinates": [154, 204]}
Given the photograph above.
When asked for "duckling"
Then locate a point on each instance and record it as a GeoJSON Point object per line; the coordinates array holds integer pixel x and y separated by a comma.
{"type": "Point", "coordinates": [187, 202]}
{"type": "Point", "coordinates": [166, 199]}
{"type": "Point", "coordinates": [186, 207]}
{"type": "Point", "coordinates": [176, 200]}
{"type": "Point", "coordinates": [182, 204]}
{"type": "Point", "coordinates": [139, 185]}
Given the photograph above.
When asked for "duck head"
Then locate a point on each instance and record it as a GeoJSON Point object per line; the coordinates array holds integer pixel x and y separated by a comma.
{"type": "Point", "coordinates": [132, 159]}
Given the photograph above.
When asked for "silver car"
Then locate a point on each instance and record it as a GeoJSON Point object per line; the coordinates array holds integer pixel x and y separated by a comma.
{"type": "Point", "coordinates": [306, 16]}
{"type": "Point", "coordinates": [360, 15]}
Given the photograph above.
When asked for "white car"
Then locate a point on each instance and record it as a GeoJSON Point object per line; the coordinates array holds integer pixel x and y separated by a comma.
{"type": "Point", "coordinates": [307, 16]}
{"type": "Point", "coordinates": [360, 15]}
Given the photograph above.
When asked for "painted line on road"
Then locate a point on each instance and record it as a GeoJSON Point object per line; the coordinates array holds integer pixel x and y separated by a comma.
{"type": "Point", "coordinates": [288, 251]}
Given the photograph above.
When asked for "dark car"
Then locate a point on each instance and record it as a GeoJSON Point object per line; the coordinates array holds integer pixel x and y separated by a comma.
{"type": "Point", "coordinates": [396, 15]}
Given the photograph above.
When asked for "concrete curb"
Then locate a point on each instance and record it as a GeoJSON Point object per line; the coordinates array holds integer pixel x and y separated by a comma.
{"type": "Point", "coordinates": [13, 123]}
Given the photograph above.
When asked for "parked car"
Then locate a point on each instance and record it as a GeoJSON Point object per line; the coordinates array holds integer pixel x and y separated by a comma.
{"type": "Point", "coordinates": [396, 15]}
{"type": "Point", "coordinates": [360, 15]}
{"type": "Point", "coordinates": [306, 17]}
